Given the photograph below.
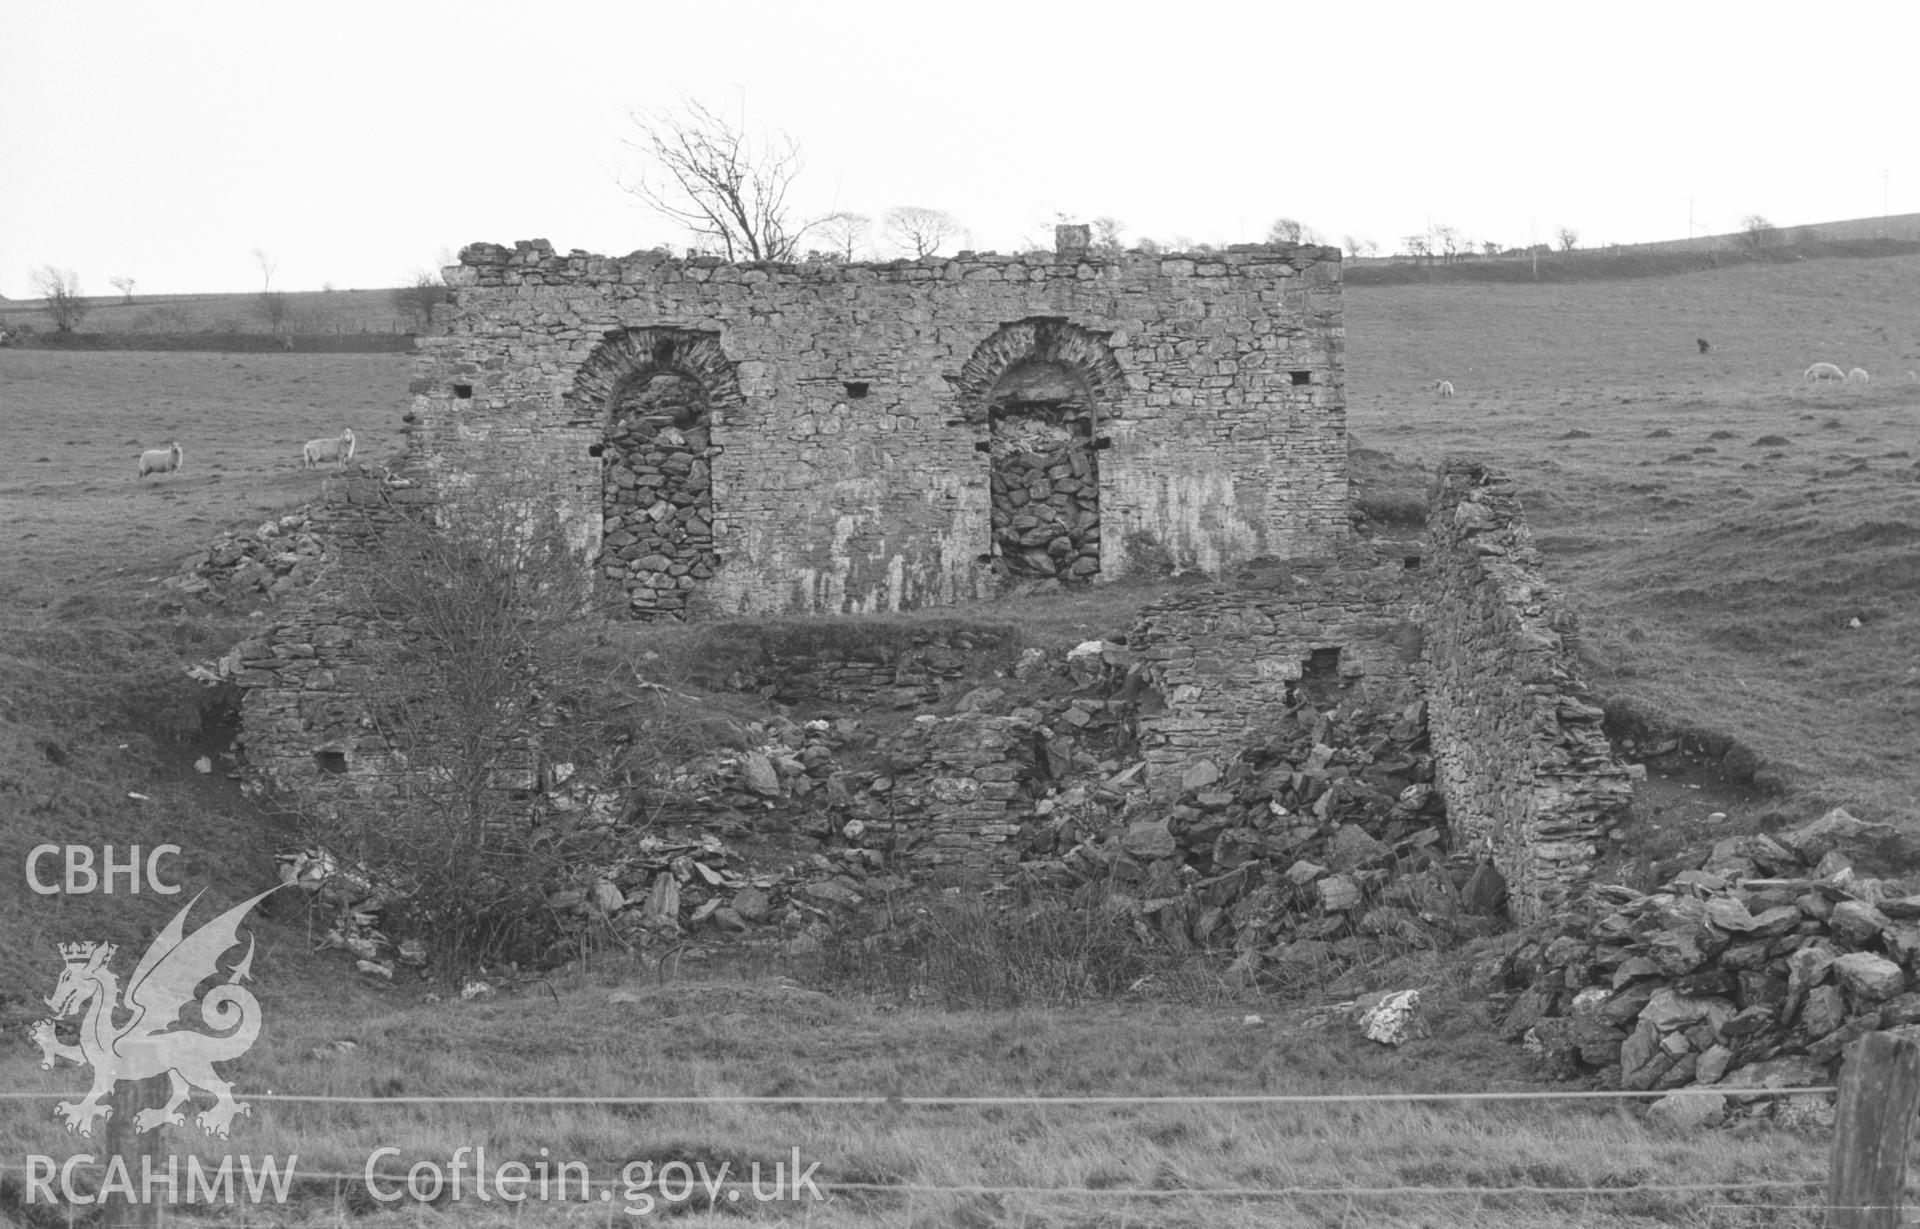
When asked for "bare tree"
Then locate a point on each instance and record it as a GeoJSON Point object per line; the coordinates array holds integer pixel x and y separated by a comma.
{"type": "Point", "coordinates": [1107, 231]}
{"type": "Point", "coordinates": [268, 267]}
{"type": "Point", "coordinates": [417, 300]}
{"type": "Point", "coordinates": [1568, 238]}
{"type": "Point", "coordinates": [1448, 239]}
{"type": "Point", "coordinates": [124, 285]}
{"type": "Point", "coordinates": [702, 171]}
{"type": "Point", "coordinates": [1489, 248]}
{"type": "Point", "coordinates": [845, 232]}
{"type": "Point", "coordinates": [61, 290]}
{"type": "Point", "coordinates": [1284, 230]}
{"type": "Point", "coordinates": [272, 306]}
{"type": "Point", "coordinates": [1756, 233]}
{"type": "Point", "coordinates": [1373, 246]}
{"type": "Point", "coordinates": [1419, 247]}
{"type": "Point", "coordinates": [921, 229]}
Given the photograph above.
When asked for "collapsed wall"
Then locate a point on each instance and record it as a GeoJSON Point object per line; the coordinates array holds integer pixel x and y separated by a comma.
{"type": "Point", "coordinates": [1529, 778]}
{"type": "Point", "coordinates": [1519, 759]}
{"type": "Point", "coordinates": [319, 687]}
{"type": "Point", "coordinates": [1228, 661]}
{"type": "Point", "coordinates": [827, 437]}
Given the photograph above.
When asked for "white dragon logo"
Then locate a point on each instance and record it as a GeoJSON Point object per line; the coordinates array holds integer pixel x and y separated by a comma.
{"type": "Point", "coordinates": [151, 1041]}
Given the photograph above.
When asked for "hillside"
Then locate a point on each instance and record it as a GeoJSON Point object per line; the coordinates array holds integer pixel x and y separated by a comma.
{"type": "Point", "coordinates": [1720, 522]}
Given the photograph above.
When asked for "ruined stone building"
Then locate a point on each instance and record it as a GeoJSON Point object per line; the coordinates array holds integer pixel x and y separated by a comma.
{"type": "Point", "coordinates": [735, 439]}
{"type": "Point", "coordinates": [745, 439]}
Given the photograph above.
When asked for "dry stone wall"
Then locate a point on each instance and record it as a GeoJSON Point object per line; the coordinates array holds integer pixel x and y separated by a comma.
{"type": "Point", "coordinates": [1529, 778]}
{"type": "Point", "coordinates": [858, 418]}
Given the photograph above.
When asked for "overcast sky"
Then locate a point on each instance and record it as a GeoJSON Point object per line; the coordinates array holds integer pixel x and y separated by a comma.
{"type": "Point", "coordinates": [356, 143]}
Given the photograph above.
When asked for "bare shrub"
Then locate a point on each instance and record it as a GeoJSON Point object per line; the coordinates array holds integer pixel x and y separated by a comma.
{"type": "Point", "coordinates": [417, 300]}
{"type": "Point", "coordinates": [488, 662]}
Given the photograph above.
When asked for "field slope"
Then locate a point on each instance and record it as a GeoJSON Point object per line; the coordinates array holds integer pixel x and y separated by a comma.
{"type": "Point", "coordinates": [1719, 523]}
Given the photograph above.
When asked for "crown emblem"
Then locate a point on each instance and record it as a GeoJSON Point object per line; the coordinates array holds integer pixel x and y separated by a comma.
{"type": "Point", "coordinates": [82, 953]}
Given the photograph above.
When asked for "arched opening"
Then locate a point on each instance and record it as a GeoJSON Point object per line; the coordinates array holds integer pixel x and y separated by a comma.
{"type": "Point", "coordinates": [656, 391]}
{"type": "Point", "coordinates": [657, 491]}
{"type": "Point", "coordinates": [1042, 388]}
{"type": "Point", "coordinates": [1045, 475]}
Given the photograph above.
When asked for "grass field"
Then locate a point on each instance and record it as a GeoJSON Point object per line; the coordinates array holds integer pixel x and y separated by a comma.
{"type": "Point", "coordinates": [308, 312]}
{"type": "Point", "coordinates": [1718, 573]}
{"type": "Point", "coordinates": [1718, 522]}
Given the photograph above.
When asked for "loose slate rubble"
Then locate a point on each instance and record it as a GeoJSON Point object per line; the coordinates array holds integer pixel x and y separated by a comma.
{"type": "Point", "coordinates": [1754, 969]}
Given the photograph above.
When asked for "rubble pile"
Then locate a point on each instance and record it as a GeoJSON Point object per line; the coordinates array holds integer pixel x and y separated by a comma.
{"type": "Point", "coordinates": [274, 558]}
{"type": "Point", "coordinates": [1317, 849]}
{"type": "Point", "coordinates": [1754, 968]}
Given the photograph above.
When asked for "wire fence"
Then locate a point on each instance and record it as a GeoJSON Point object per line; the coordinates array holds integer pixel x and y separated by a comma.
{"type": "Point", "coordinates": [660, 1188]}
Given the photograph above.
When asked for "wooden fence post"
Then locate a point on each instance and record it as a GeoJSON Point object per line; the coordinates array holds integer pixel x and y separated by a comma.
{"type": "Point", "coordinates": [129, 1146]}
{"type": "Point", "coordinates": [1879, 1090]}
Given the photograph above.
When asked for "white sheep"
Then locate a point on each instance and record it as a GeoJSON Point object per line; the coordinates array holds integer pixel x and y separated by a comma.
{"type": "Point", "coordinates": [1824, 371]}
{"type": "Point", "coordinates": [338, 451]}
{"type": "Point", "coordinates": [161, 460]}
{"type": "Point", "coordinates": [1443, 387]}
{"type": "Point", "coordinates": [1858, 376]}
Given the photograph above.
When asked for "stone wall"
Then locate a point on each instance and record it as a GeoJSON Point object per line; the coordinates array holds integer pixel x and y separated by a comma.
{"type": "Point", "coordinates": [832, 438]}
{"type": "Point", "coordinates": [1229, 661]}
{"type": "Point", "coordinates": [1528, 776]}
{"type": "Point", "coordinates": [304, 680]}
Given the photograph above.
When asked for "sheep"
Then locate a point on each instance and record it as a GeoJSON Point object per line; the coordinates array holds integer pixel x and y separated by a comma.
{"type": "Point", "coordinates": [1443, 387]}
{"type": "Point", "coordinates": [161, 460]}
{"type": "Point", "coordinates": [1858, 376]}
{"type": "Point", "coordinates": [338, 451]}
{"type": "Point", "coordinates": [1824, 371]}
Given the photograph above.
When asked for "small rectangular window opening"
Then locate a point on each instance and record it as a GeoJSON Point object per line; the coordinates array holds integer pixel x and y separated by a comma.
{"type": "Point", "coordinates": [594, 450]}
{"type": "Point", "coordinates": [1301, 377]}
{"type": "Point", "coordinates": [463, 392]}
{"type": "Point", "coordinates": [856, 389]}
{"type": "Point", "coordinates": [333, 763]}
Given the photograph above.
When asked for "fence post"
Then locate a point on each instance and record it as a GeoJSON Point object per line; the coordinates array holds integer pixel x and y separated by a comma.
{"type": "Point", "coordinates": [130, 1147]}
{"type": "Point", "coordinates": [1879, 1089]}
